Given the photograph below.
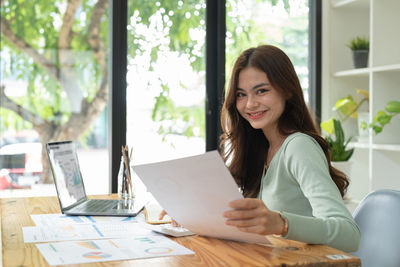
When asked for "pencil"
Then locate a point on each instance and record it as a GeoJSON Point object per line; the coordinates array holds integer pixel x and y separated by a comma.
{"type": "Point", "coordinates": [124, 187]}
{"type": "Point", "coordinates": [127, 168]}
{"type": "Point", "coordinates": [130, 173]}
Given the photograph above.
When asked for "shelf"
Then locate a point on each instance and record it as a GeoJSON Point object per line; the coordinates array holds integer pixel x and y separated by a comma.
{"type": "Point", "coordinates": [344, 20]}
{"type": "Point", "coordinates": [388, 147]}
{"type": "Point", "coordinates": [350, 3]}
{"type": "Point", "coordinates": [352, 73]}
{"type": "Point", "coordinates": [393, 68]}
{"type": "Point", "coordinates": [365, 71]}
{"type": "Point", "coordinates": [365, 145]}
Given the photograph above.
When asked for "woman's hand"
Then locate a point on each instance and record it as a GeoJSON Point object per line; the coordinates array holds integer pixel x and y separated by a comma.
{"type": "Point", "coordinates": [161, 216]}
{"type": "Point", "coordinates": [252, 216]}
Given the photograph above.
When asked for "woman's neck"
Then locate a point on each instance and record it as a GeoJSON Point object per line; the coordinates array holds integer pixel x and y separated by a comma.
{"type": "Point", "coordinates": [275, 140]}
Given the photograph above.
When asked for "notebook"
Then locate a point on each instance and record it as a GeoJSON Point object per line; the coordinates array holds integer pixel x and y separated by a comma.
{"type": "Point", "coordinates": [71, 190]}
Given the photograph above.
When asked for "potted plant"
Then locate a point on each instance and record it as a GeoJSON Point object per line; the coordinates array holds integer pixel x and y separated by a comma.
{"type": "Point", "coordinates": [384, 117]}
{"type": "Point", "coordinates": [360, 48]}
{"type": "Point", "coordinates": [340, 153]}
{"type": "Point", "coordinates": [336, 140]}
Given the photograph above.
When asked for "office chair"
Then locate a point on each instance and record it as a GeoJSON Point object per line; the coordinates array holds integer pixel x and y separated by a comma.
{"type": "Point", "coordinates": [378, 217]}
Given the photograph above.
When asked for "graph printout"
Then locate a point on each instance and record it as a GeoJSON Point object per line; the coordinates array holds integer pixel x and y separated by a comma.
{"type": "Point", "coordinates": [84, 231]}
{"type": "Point", "coordinates": [75, 252]}
{"type": "Point", "coordinates": [62, 219]}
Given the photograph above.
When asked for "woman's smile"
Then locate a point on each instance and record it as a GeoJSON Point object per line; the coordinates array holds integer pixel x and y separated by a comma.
{"type": "Point", "coordinates": [256, 115]}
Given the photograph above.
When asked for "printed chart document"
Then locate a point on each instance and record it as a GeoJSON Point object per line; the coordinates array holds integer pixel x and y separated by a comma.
{"type": "Point", "coordinates": [83, 231]}
{"type": "Point", "coordinates": [62, 219]}
{"type": "Point", "coordinates": [195, 191]}
{"type": "Point", "coordinates": [74, 252]}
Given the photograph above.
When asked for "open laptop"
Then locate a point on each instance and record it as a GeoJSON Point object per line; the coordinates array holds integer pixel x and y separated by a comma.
{"type": "Point", "coordinates": [71, 190]}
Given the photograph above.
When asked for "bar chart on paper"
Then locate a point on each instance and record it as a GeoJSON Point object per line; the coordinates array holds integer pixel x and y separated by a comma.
{"type": "Point", "coordinates": [73, 252]}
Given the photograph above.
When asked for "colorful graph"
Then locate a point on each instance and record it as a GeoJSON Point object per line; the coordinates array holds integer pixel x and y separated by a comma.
{"type": "Point", "coordinates": [88, 244]}
{"type": "Point", "coordinates": [96, 255]}
{"type": "Point", "coordinates": [158, 250]}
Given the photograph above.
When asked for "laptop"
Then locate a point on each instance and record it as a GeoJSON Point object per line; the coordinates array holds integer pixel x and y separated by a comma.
{"type": "Point", "coordinates": [71, 190]}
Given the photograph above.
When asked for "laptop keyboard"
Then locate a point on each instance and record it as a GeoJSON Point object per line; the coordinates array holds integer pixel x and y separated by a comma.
{"type": "Point", "coordinates": [97, 205]}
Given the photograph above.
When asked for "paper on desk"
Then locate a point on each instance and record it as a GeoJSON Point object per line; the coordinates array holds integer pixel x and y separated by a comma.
{"type": "Point", "coordinates": [82, 232]}
{"type": "Point", "coordinates": [195, 191]}
{"type": "Point", "coordinates": [74, 252]}
{"type": "Point", "coordinates": [62, 219]}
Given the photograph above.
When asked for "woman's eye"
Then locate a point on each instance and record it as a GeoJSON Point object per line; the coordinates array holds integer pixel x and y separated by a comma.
{"type": "Point", "coordinates": [240, 95]}
{"type": "Point", "coordinates": [260, 91]}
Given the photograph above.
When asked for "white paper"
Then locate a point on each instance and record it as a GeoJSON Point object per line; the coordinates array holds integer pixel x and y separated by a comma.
{"type": "Point", "coordinates": [195, 191]}
{"type": "Point", "coordinates": [82, 232]}
{"type": "Point", "coordinates": [74, 252]}
{"type": "Point", "coordinates": [62, 219]}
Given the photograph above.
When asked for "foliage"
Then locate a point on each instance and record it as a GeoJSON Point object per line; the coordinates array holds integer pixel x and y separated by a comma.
{"type": "Point", "coordinates": [45, 96]}
{"type": "Point", "coordinates": [337, 142]}
{"type": "Point", "coordinates": [359, 43]}
{"type": "Point", "coordinates": [384, 117]}
{"type": "Point", "coordinates": [153, 33]}
{"type": "Point", "coordinates": [347, 107]}
{"type": "Point", "coordinates": [187, 121]}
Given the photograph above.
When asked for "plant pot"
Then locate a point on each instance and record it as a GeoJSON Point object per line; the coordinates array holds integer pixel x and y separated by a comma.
{"type": "Point", "coordinates": [363, 118]}
{"type": "Point", "coordinates": [360, 58]}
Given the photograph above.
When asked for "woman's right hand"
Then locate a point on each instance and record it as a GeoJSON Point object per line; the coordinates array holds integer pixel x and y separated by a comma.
{"type": "Point", "coordinates": [173, 222]}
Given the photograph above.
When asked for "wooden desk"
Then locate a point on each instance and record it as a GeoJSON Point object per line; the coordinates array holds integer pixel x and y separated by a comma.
{"type": "Point", "coordinates": [209, 251]}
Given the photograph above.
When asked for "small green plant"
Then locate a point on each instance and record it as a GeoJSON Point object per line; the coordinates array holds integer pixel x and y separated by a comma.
{"type": "Point", "coordinates": [347, 107]}
{"type": "Point", "coordinates": [359, 43]}
{"type": "Point", "coordinates": [384, 117]}
{"type": "Point", "coordinates": [336, 140]}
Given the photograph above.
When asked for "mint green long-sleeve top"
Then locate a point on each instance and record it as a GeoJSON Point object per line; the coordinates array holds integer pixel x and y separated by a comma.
{"type": "Point", "coordinates": [298, 184]}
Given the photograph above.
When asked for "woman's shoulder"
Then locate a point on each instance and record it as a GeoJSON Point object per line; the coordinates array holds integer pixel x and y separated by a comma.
{"type": "Point", "coordinates": [303, 148]}
{"type": "Point", "coordinates": [299, 138]}
{"type": "Point", "coordinates": [300, 142]}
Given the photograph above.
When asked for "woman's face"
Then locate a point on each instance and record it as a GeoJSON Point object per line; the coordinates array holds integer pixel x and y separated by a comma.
{"type": "Point", "coordinates": [257, 101]}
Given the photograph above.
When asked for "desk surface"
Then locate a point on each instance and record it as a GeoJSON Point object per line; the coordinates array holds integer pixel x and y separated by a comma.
{"type": "Point", "coordinates": [15, 214]}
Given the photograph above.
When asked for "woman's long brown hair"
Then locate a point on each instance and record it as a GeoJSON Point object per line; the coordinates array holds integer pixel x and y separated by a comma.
{"type": "Point", "coordinates": [244, 148]}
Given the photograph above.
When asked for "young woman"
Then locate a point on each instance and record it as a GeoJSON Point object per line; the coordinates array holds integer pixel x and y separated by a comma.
{"type": "Point", "coordinates": [275, 153]}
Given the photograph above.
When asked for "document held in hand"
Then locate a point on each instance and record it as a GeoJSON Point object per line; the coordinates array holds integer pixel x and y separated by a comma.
{"type": "Point", "coordinates": [195, 191]}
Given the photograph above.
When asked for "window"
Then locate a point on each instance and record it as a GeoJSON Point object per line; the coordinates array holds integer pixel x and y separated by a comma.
{"type": "Point", "coordinates": [53, 87]}
{"type": "Point", "coordinates": [166, 79]}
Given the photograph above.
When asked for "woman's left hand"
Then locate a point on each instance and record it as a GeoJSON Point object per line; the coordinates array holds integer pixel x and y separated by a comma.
{"type": "Point", "coordinates": [252, 215]}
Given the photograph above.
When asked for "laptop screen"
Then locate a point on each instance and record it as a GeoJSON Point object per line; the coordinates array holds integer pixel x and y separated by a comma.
{"type": "Point", "coordinates": [66, 173]}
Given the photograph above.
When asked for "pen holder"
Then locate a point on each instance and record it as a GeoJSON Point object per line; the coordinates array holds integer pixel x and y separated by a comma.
{"type": "Point", "coordinates": [125, 183]}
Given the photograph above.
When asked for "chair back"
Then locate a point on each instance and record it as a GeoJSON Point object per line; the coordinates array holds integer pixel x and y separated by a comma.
{"type": "Point", "coordinates": [378, 217]}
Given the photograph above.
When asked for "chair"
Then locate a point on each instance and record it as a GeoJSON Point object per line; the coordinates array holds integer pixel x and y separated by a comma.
{"type": "Point", "coordinates": [378, 217]}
